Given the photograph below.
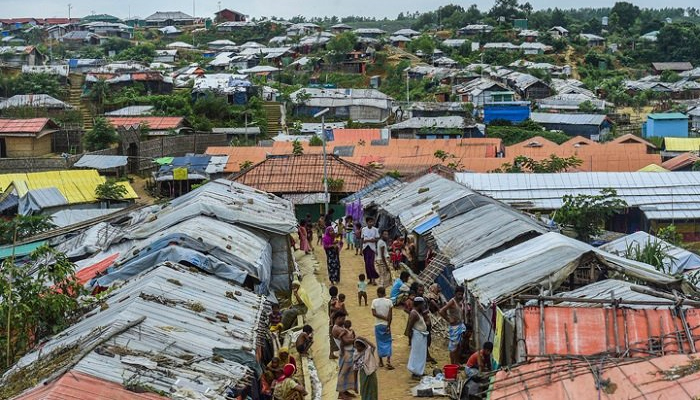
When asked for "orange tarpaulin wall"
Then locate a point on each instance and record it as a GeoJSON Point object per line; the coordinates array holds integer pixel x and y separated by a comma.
{"type": "Point", "coordinates": [589, 331]}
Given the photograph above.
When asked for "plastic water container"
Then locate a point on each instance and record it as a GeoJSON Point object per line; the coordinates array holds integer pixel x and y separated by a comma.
{"type": "Point", "coordinates": [450, 371]}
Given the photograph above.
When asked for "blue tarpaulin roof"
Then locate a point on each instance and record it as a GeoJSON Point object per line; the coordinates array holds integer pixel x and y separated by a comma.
{"type": "Point", "coordinates": [427, 225]}
{"type": "Point", "coordinates": [9, 202]}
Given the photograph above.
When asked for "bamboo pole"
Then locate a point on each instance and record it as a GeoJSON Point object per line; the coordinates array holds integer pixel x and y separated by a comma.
{"type": "Point", "coordinates": [614, 310]}
{"type": "Point", "coordinates": [527, 297]}
{"type": "Point", "coordinates": [520, 334]}
{"type": "Point", "coordinates": [8, 358]}
{"type": "Point", "coordinates": [650, 292]}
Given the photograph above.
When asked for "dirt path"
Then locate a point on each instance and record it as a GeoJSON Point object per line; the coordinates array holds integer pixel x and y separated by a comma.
{"type": "Point", "coordinates": [569, 57]}
{"type": "Point", "coordinates": [396, 384]}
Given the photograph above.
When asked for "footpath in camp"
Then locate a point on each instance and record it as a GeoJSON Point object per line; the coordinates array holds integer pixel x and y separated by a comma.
{"type": "Point", "coordinates": [393, 385]}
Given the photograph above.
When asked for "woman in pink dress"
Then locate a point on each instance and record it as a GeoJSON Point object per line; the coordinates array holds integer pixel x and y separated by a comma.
{"type": "Point", "coordinates": [303, 238]}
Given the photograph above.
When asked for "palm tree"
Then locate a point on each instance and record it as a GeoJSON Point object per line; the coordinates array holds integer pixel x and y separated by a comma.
{"type": "Point", "coordinates": [98, 94]}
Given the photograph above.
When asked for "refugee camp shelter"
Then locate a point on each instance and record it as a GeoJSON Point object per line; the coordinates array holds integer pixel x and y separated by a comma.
{"type": "Point", "coordinates": [167, 323]}
{"type": "Point", "coordinates": [21, 138]}
{"type": "Point", "coordinates": [299, 179]}
{"type": "Point", "coordinates": [676, 260]}
{"type": "Point", "coordinates": [654, 200]}
{"type": "Point", "coordinates": [591, 126]}
{"type": "Point", "coordinates": [665, 125]}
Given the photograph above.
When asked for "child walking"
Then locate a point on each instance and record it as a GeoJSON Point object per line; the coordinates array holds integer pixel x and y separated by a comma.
{"type": "Point", "coordinates": [358, 238]}
{"type": "Point", "coordinates": [362, 290]}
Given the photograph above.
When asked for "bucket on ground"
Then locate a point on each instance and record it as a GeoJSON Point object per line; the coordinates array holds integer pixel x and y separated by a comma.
{"type": "Point", "coordinates": [450, 371]}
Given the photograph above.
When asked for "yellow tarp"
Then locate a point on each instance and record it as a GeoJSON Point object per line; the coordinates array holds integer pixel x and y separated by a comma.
{"type": "Point", "coordinates": [77, 186]}
{"type": "Point", "coordinates": [653, 168]}
{"type": "Point", "coordinates": [180, 174]}
{"type": "Point", "coordinates": [677, 144]}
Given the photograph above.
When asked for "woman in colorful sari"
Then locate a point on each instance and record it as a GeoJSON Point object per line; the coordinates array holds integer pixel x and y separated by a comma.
{"type": "Point", "coordinates": [285, 358]}
{"type": "Point", "coordinates": [301, 304]}
{"type": "Point", "coordinates": [286, 388]}
{"type": "Point", "coordinates": [365, 362]}
{"type": "Point", "coordinates": [345, 339]}
{"type": "Point", "coordinates": [304, 244]}
{"type": "Point", "coordinates": [332, 247]}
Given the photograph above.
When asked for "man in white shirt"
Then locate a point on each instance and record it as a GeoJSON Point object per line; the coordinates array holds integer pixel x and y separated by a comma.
{"type": "Point", "coordinates": [383, 260]}
{"type": "Point", "coordinates": [382, 312]}
{"type": "Point", "coordinates": [370, 236]}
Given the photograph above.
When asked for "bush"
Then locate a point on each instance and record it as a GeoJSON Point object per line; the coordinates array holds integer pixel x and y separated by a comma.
{"type": "Point", "coordinates": [101, 136]}
{"type": "Point", "coordinates": [110, 190]}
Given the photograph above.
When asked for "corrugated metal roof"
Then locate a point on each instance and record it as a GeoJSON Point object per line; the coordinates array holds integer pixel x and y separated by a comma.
{"type": "Point", "coordinates": [653, 168]}
{"type": "Point", "coordinates": [673, 66]}
{"type": "Point", "coordinates": [562, 379]}
{"type": "Point", "coordinates": [604, 290]}
{"type": "Point", "coordinates": [475, 233]}
{"type": "Point", "coordinates": [681, 161]}
{"type": "Point", "coordinates": [385, 183]}
{"type": "Point", "coordinates": [32, 126]}
{"type": "Point", "coordinates": [659, 116]}
{"type": "Point", "coordinates": [677, 144]}
{"type": "Point", "coordinates": [217, 164]}
{"type": "Point", "coordinates": [300, 174]}
{"type": "Point", "coordinates": [660, 196]}
{"type": "Point", "coordinates": [228, 201]}
{"type": "Point", "coordinates": [154, 123]}
{"type": "Point", "coordinates": [450, 122]}
{"type": "Point", "coordinates": [568, 119]}
{"type": "Point", "coordinates": [34, 101]}
{"type": "Point", "coordinates": [130, 111]}
{"type": "Point", "coordinates": [97, 161]}
{"type": "Point", "coordinates": [80, 386]}
{"type": "Point", "coordinates": [77, 186]}
{"type": "Point", "coordinates": [187, 316]}
{"type": "Point", "coordinates": [37, 200]}
{"type": "Point", "coordinates": [676, 260]}
{"type": "Point", "coordinates": [549, 258]}
{"type": "Point", "coordinates": [217, 247]}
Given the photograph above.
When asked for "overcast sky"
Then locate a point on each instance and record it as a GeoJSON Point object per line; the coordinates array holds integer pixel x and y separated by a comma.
{"type": "Point", "coordinates": [279, 8]}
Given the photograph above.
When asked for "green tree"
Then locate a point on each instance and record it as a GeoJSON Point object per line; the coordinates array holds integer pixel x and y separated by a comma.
{"type": "Point", "coordinates": [587, 107]}
{"type": "Point", "coordinates": [553, 164]}
{"type": "Point", "coordinates": [39, 299]}
{"type": "Point", "coordinates": [110, 190]}
{"type": "Point", "coordinates": [26, 226]}
{"type": "Point", "coordinates": [626, 13]}
{"type": "Point", "coordinates": [297, 148]}
{"type": "Point", "coordinates": [670, 76]}
{"type": "Point", "coordinates": [670, 234]}
{"type": "Point", "coordinates": [586, 214]}
{"type": "Point", "coordinates": [315, 141]}
{"type": "Point", "coordinates": [339, 46]}
{"type": "Point", "coordinates": [101, 136]}
{"type": "Point", "coordinates": [144, 52]}
{"type": "Point", "coordinates": [31, 84]}
{"type": "Point", "coordinates": [98, 94]}
{"type": "Point", "coordinates": [424, 43]}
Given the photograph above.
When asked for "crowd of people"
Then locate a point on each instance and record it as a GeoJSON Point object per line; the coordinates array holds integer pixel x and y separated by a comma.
{"type": "Point", "coordinates": [387, 262]}
{"type": "Point", "coordinates": [387, 265]}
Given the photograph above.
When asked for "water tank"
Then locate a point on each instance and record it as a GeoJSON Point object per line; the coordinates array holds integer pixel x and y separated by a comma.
{"type": "Point", "coordinates": [605, 21]}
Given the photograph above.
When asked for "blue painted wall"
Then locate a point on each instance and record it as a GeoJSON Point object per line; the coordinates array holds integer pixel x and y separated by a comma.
{"type": "Point", "coordinates": [665, 128]}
